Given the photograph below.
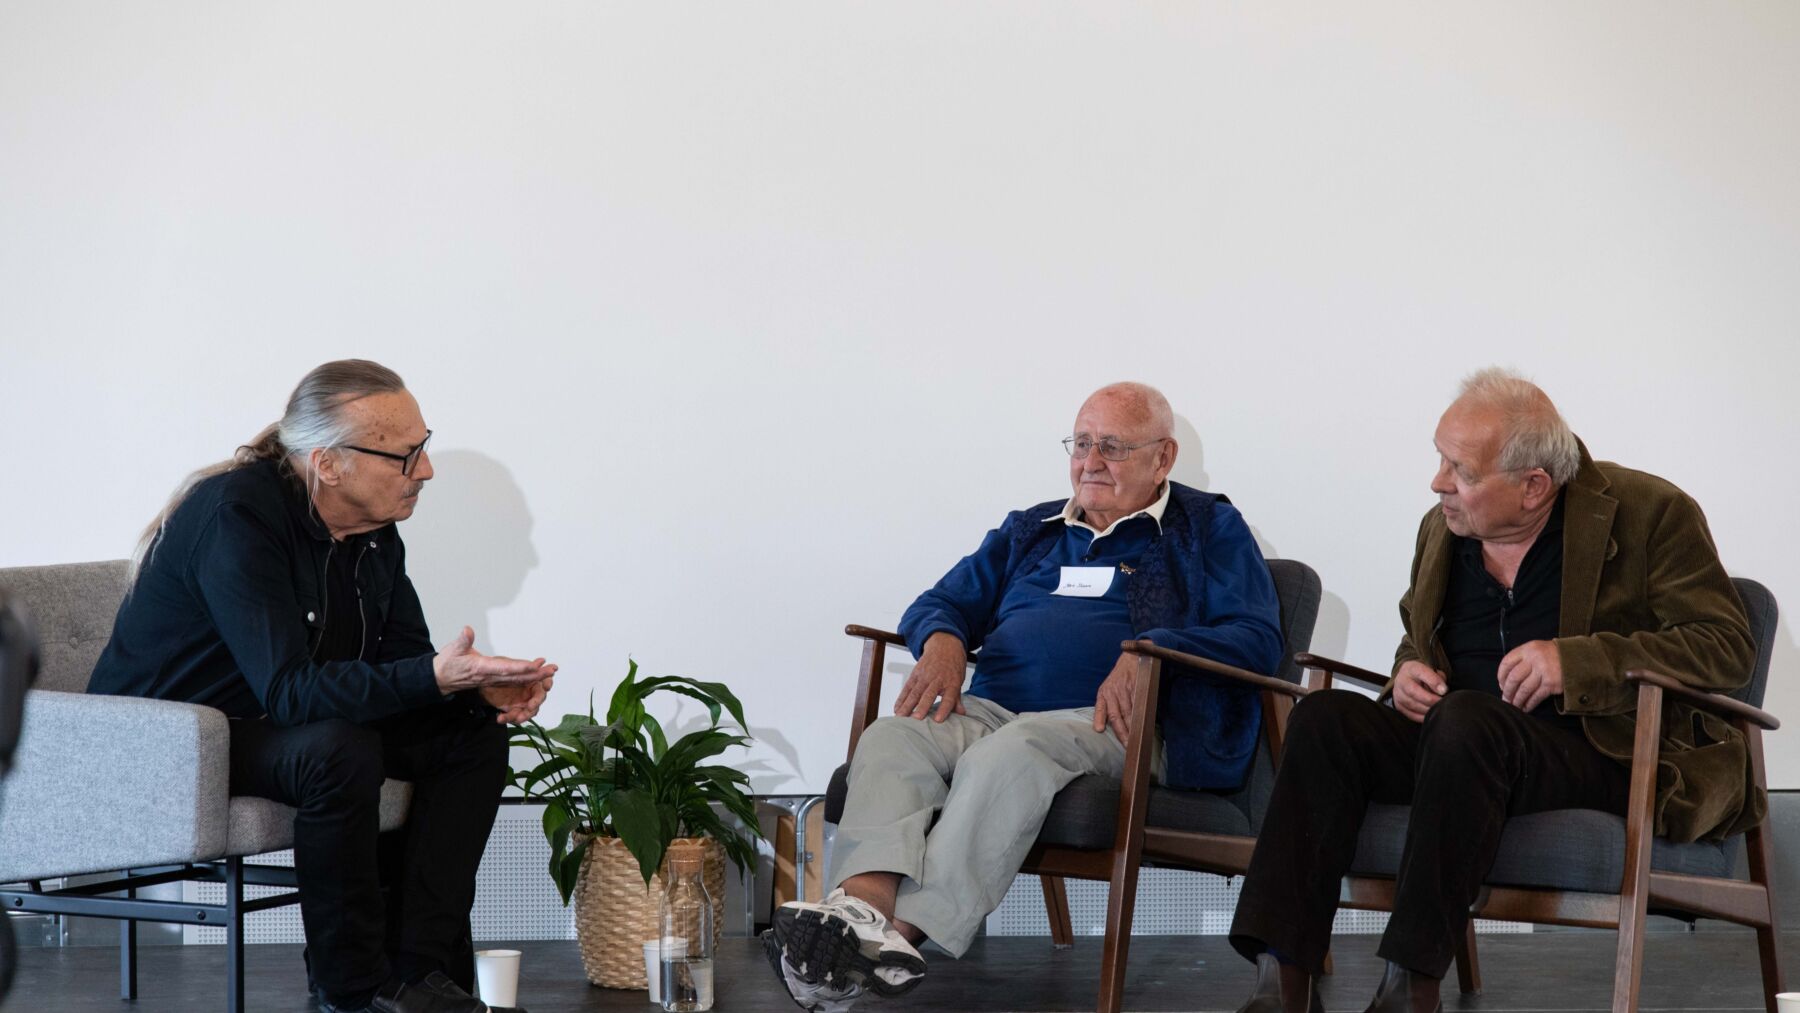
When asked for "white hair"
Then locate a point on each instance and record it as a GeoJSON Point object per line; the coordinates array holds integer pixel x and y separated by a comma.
{"type": "Point", "coordinates": [315, 420]}
{"type": "Point", "coordinates": [1536, 435]}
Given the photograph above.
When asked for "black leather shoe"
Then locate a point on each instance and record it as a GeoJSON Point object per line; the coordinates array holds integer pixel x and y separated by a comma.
{"type": "Point", "coordinates": [1395, 993]}
{"type": "Point", "coordinates": [1266, 996]}
{"type": "Point", "coordinates": [436, 993]}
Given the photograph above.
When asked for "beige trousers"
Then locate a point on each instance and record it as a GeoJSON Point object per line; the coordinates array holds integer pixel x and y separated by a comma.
{"type": "Point", "coordinates": [988, 778]}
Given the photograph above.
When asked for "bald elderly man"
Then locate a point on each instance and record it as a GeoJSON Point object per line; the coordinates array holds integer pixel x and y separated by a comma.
{"type": "Point", "coordinates": [1539, 580]}
{"type": "Point", "coordinates": [1046, 599]}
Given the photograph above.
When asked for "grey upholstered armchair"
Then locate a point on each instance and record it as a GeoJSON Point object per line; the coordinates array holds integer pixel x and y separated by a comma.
{"type": "Point", "coordinates": [129, 786]}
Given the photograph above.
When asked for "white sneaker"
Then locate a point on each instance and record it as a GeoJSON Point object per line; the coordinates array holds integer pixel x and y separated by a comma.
{"type": "Point", "coordinates": [819, 998]}
{"type": "Point", "coordinates": [841, 947]}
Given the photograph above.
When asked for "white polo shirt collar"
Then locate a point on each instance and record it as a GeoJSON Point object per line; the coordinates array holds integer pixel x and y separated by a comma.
{"type": "Point", "coordinates": [1071, 515]}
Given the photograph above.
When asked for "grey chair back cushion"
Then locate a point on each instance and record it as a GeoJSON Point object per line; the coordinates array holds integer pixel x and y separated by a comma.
{"type": "Point", "coordinates": [1085, 813]}
{"type": "Point", "coordinates": [1759, 606]}
{"type": "Point", "coordinates": [73, 606]}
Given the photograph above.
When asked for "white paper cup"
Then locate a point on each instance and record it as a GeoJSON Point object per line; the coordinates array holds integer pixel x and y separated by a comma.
{"type": "Point", "coordinates": [497, 976]}
{"type": "Point", "coordinates": [1787, 1002]}
{"type": "Point", "coordinates": [653, 954]}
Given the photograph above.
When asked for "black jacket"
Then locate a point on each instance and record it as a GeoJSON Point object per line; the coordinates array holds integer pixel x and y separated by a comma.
{"type": "Point", "coordinates": [232, 603]}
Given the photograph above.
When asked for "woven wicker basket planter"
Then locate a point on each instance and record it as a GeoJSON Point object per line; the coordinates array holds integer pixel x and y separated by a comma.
{"type": "Point", "coordinates": [615, 913]}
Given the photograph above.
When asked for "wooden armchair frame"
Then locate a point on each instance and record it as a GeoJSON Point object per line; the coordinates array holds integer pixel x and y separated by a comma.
{"type": "Point", "coordinates": [1748, 903]}
{"type": "Point", "coordinates": [1134, 843]}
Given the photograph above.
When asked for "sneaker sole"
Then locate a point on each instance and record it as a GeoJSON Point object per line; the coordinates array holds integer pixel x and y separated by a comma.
{"type": "Point", "coordinates": [772, 950]}
{"type": "Point", "coordinates": [824, 949]}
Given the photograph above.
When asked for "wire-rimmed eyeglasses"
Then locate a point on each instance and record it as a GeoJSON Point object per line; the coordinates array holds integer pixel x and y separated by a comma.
{"type": "Point", "coordinates": [1110, 448]}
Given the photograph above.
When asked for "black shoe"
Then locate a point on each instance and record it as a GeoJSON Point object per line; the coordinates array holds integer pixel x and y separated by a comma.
{"type": "Point", "coordinates": [436, 993]}
{"type": "Point", "coordinates": [1266, 996]}
{"type": "Point", "coordinates": [1394, 994]}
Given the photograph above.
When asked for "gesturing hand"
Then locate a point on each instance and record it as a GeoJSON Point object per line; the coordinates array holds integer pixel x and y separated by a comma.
{"type": "Point", "coordinates": [460, 666]}
{"type": "Point", "coordinates": [517, 704]}
{"type": "Point", "coordinates": [1417, 688]}
{"type": "Point", "coordinates": [1530, 674]}
{"type": "Point", "coordinates": [1114, 703]}
{"type": "Point", "coordinates": [936, 679]}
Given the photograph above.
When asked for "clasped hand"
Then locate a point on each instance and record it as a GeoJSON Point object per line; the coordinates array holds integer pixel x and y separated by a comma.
{"type": "Point", "coordinates": [514, 687]}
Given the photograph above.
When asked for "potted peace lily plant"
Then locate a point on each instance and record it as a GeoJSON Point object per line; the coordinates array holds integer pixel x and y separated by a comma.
{"type": "Point", "coordinates": [617, 794]}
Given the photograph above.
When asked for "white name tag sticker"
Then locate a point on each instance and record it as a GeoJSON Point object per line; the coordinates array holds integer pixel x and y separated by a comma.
{"type": "Point", "coordinates": [1085, 581]}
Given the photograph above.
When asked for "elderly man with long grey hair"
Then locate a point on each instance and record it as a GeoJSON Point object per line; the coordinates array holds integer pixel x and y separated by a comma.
{"type": "Point", "coordinates": [1539, 579]}
{"type": "Point", "coordinates": [273, 586]}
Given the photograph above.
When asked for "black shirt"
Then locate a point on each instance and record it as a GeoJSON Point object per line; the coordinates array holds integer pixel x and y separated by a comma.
{"type": "Point", "coordinates": [1482, 620]}
{"type": "Point", "coordinates": [246, 604]}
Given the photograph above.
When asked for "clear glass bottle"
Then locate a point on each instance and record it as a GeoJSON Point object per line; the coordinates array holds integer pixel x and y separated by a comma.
{"type": "Point", "coordinates": [687, 933]}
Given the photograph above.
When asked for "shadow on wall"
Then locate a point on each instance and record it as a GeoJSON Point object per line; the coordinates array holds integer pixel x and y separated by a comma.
{"type": "Point", "coordinates": [468, 546]}
{"type": "Point", "coordinates": [1331, 634]}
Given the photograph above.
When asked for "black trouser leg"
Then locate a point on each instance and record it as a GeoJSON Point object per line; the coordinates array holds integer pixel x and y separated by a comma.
{"type": "Point", "coordinates": [1343, 751]}
{"type": "Point", "coordinates": [456, 761]}
{"type": "Point", "coordinates": [331, 773]}
{"type": "Point", "coordinates": [1479, 761]}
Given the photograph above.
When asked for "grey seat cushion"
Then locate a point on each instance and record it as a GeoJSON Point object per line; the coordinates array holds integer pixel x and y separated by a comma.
{"type": "Point", "coordinates": [259, 825]}
{"type": "Point", "coordinates": [1566, 849]}
{"type": "Point", "coordinates": [1085, 813]}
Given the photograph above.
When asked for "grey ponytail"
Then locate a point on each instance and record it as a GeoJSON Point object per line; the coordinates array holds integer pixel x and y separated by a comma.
{"type": "Point", "coordinates": [314, 420]}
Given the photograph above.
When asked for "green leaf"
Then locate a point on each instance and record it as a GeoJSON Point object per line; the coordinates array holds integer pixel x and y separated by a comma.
{"type": "Point", "coordinates": [659, 743]}
{"type": "Point", "coordinates": [709, 691]}
{"type": "Point", "coordinates": [625, 696]}
{"type": "Point", "coordinates": [568, 730]}
{"type": "Point", "coordinates": [641, 826]}
{"type": "Point", "coordinates": [693, 747]}
{"type": "Point", "coordinates": [568, 870]}
{"type": "Point", "coordinates": [529, 780]}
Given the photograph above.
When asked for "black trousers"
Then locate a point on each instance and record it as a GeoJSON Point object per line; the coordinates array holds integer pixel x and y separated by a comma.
{"type": "Point", "coordinates": [398, 906]}
{"type": "Point", "coordinates": [1473, 762]}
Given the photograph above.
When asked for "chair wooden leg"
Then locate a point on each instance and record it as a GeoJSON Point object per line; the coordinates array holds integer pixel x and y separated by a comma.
{"type": "Point", "coordinates": [1770, 956]}
{"type": "Point", "coordinates": [1634, 885]}
{"type": "Point", "coordinates": [1056, 905]}
{"type": "Point", "coordinates": [1760, 845]}
{"type": "Point", "coordinates": [1121, 901]}
{"type": "Point", "coordinates": [1468, 965]}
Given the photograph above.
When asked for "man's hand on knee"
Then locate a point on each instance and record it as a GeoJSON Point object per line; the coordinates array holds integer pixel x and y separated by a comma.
{"type": "Point", "coordinates": [1530, 674]}
{"type": "Point", "coordinates": [936, 679]}
{"type": "Point", "coordinates": [1113, 704]}
{"type": "Point", "coordinates": [1417, 688]}
{"type": "Point", "coordinates": [460, 666]}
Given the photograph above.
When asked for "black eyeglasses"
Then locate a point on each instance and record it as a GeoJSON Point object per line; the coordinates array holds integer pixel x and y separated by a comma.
{"type": "Point", "coordinates": [407, 460]}
{"type": "Point", "coordinates": [1110, 448]}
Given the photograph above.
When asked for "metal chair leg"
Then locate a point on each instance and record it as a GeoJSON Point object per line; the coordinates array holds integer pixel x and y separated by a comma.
{"type": "Point", "coordinates": [234, 935]}
{"type": "Point", "coordinates": [128, 954]}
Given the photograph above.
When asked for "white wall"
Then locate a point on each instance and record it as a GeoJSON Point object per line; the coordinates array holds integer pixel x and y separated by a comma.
{"type": "Point", "coordinates": [738, 323]}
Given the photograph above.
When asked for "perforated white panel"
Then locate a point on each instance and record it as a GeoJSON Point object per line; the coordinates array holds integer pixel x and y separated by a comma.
{"type": "Point", "coordinates": [1170, 902]}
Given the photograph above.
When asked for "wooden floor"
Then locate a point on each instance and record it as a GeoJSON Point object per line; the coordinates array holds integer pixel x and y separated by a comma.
{"type": "Point", "coordinates": [1688, 972]}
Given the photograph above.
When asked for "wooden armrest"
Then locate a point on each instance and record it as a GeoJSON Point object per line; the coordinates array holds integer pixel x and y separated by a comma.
{"type": "Point", "coordinates": [1148, 649]}
{"type": "Point", "coordinates": [1343, 670]}
{"type": "Point", "coordinates": [1718, 703]}
{"type": "Point", "coordinates": [871, 633]}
